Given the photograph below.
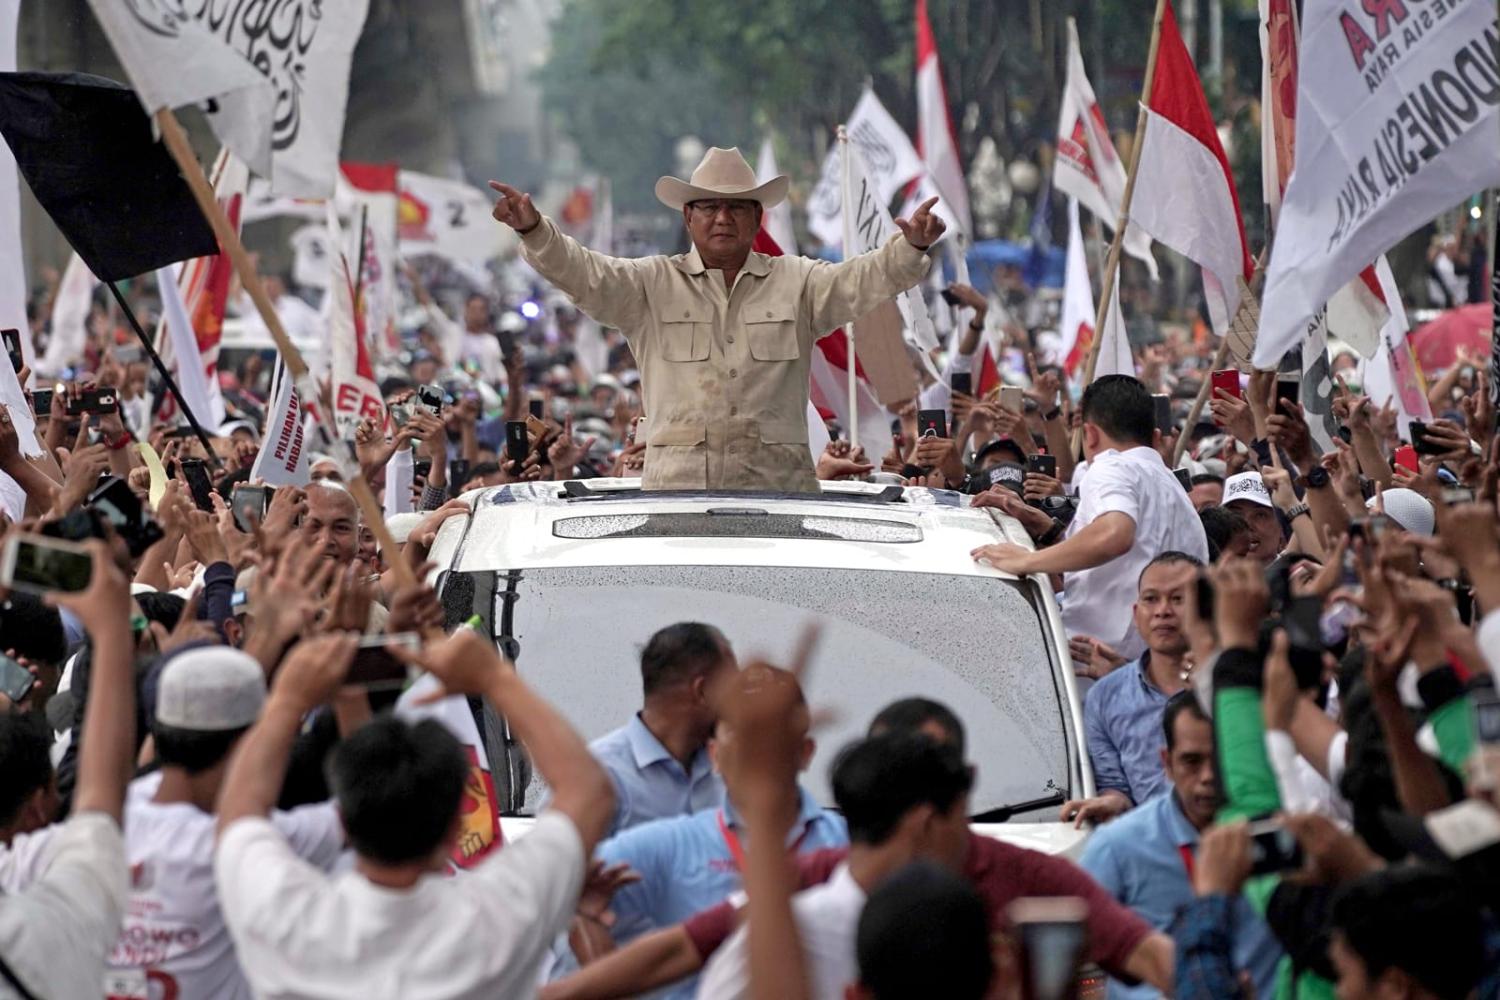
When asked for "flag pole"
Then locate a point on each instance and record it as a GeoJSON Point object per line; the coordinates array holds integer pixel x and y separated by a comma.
{"type": "Point", "coordinates": [161, 369]}
{"type": "Point", "coordinates": [848, 217]}
{"type": "Point", "coordinates": [1495, 307]}
{"type": "Point", "coordinates": [177, 144]}
{"type": "Point", "coordinates": [1112, 262]}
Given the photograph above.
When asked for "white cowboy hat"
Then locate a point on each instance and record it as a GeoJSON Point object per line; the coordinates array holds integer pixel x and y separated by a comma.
{"type": "Point", "coordinates": [722, 174]}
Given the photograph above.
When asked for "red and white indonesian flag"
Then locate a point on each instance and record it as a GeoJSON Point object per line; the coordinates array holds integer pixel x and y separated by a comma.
{"type": "Point", "coordinates": [1398, 112]}
{"type": "Point", "coordinates": [777, 222]}
{"type": "Point", "coordinates": [936, 142]}
{"type": "Point", "coordinates": [890, 161]}
{"type": "Point", "coordinates": [1394, 373]}
{"type": "Point", "coordinates": [273, 77]}
{"type": "Point", "coordinates": [355, 394]}
{"type": "Point", "coordinates": [1076, 326]}
{"type": "Point", "coordinates": [371, 192]}
{"type": "Point", "coordinates": [1087, 166]}
{"type": "Point", "coordinates": [447, 218]}
{"type": "Point", "coordinates": [1184, 190]}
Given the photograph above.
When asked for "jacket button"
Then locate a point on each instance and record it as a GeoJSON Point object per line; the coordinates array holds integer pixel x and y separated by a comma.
{"type": "Point", "coordinates": [687, 314]}
{"type": "Point", "coordinates": [768, 314]}
{"type": "Point", "coordinates": [733, 450]}
{"type": "Point", "coordinates": [734, 411]}
{"type": "Point", "coordinates": [730, 339]}
{"type": "Point", "coordinates": [734, 373]}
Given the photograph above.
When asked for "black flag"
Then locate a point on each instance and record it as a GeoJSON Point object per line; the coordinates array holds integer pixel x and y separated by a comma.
{"type": "Point", "coordinates": [87, 150]}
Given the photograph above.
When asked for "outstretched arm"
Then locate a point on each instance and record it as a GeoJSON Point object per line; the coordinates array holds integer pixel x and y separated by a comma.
{"type": "Point", "coordinates": [836, 294]}
{"type": "Point", "coordinates": [609, 289]}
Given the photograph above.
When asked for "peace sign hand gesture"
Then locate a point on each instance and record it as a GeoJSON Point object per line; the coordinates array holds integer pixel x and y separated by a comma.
{"type": "Point", "coordinates": [923, 230]}
{"type": "Point", "coordinates": [515, 208]}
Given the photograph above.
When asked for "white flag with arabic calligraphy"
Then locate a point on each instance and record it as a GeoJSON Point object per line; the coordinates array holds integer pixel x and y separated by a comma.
{"type": "Point", "coordinates": [273, 76]}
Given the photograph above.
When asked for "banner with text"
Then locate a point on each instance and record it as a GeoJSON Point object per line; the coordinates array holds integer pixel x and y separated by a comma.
{"type": "Point", "coordinates": [1397, 115]}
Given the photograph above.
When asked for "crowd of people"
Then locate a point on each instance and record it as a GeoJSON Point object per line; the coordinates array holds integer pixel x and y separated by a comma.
{"type": "Point", "coordinates": [1284, 654]}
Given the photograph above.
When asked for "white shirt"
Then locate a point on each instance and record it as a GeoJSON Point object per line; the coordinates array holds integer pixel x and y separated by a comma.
{"type": "Point", "coordinates": [827, 918]}
{"type": "Point", "coordinates": [1488, 638]}
{"type": "Point", "coordinates": [61, 909]}
{"type": "Point", "coordinates": [484, 350]}
{"type": "Point", "coordinates": [1136, 482]}
{"type": "Point", "coordinates": [173, 942]}
{"type": "Point", "coordinates": [301, 933]}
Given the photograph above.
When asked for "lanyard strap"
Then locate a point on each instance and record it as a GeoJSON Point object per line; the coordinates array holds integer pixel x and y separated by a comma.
{"type": "Point", "coordinates": [737, 851]}
{"type": "Point", "coordinates": [1186, 851]}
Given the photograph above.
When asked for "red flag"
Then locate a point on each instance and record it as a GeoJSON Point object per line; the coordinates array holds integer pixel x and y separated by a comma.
{"type": "Point", "coordinates": [1184, 193]}
{"type": "Point", "coordinates": [937, 143]}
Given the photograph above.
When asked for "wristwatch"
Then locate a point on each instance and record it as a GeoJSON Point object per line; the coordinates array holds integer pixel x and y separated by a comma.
{"type": "Point", "coordinates": [1296, 510]}
{"type": "Point", "coordinates": [1052, 414]}
{"type": "Point", "coordinates": [1317, 478]}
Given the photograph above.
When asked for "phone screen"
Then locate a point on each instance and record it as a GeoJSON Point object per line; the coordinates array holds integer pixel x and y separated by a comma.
{"type": "Point", "coordinates": [1054, 937]}
{"type": "Point", "coordinates": [39, 565]}
{"type": "Point", "coordinates": [535, 408]}
{"type": "Point", "coordinates": [248, 504]}
{"type": "Point", "coordinates": [1273, 848]}
{"type": "Point", "coordinates": [15, 680]}
{"type": "Point", "coordinates": [375, 666]}
{"type": "Point", "coordinates": [1163, 405]}
{"type": "Point", "coordinates": [199, 485]}
{"type": "Point", "coordinates": [12, 338]}
{"type": "Point", "coordinates": [962, 382]}
{"type": "Point", "coordinates": [41, 402]}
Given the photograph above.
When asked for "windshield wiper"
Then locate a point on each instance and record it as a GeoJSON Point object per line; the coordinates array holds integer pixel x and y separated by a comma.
{"type": "Point", "coordinates": [1004, 813]}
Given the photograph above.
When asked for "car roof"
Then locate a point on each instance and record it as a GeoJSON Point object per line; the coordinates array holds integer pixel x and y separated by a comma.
{"type": "Point", "coordinates": [516, 526]}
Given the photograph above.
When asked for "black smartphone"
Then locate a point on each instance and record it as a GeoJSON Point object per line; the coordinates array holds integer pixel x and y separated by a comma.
{"type": "Point", "coordinates": [12, 338]}
{"type": "Point", "coordinates": [517, 444]}
{"type": "Point", "coordinates": [932, 423]}
{"type": "Point", "coordinates": [950, 298]}
{"type": "Point", "coordinates": [15, 680]}
{"type": "Point", "coordinates": [41, 402]}
{"type": "Point", "coordinates": [1420, 442]}
{"type": "Point", "coordinates": [375, 666]}
{"type": "Point", "coordinates": [1184, 479]}
{"type": "Point", "coordinates": [458, 474]}
{"type": "Point", "coordinates": [1205, 597]}
{"type": "Point", "coordinates": [1302, 621]}
{"type": "Point", "coordinates": [116, 503]}
{"type": "Point", "coordinates": [1273, 848]}
{"type": "Point", "coordinates": [1163, 404]}
{"type": "Point", "coordinates": [38, 564]}
{"type": "Point", "coordinates": [1044, 465]}
{"type": "Point", "coordinates": [1054, 938]}
{"type": "Point", "coordinates": [248, 504]}
{"type": "Point", "coordinates": [421, 469]}
{"type": "Point", "coordinates": [534, 405]}
{"type": "Point", "coordinates": [1289, 388]}
{"type": "Point", "coordinates": [101, 399]}
{"type": "Point", "coordinates": [431, 397]}
{"type": "Point", "coordinates": [962, 382]}
{"type": "Point", "coordinates": [195, 472]}
{"type": "Point", "coordinates": [507, 344]}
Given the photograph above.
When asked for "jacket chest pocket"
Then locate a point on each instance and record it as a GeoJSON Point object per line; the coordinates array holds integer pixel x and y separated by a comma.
{"type": "Point", "coordinates": [772, 332]}
{"type": "Point", "coordinates": [685, 332]}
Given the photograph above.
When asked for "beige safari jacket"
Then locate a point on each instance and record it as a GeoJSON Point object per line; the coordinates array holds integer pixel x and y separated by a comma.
{"type": "Point", "coordinates": [724, 372]}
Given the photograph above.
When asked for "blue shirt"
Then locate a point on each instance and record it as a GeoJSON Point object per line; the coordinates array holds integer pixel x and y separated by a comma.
{"type": "Point", "coordinates": [1122, 722]}
{"type": "Point", "coordinates": [1138, 859]}
{"type": "Point", "coordinates": [649, 782]}
{"type": "Point", "coordinates": [686, 865]}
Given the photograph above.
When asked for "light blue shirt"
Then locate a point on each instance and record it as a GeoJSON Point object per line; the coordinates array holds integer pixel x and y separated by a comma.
{"type": "Point", "coordinates": [1138, 859]}
{"type": "Point", "coordinates": [649, 782]}
{"type": "Point", "coordinates": [1122, 721]}
{"type": "Point", "coordinates": [686, 865]}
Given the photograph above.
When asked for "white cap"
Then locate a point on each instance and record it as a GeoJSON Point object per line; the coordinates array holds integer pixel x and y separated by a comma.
{"type": "Point", "coordinates": [402, 525]}
{"type": "Point", "coordinates": [1247, 486]}
{"type": "Point", "coordinates": [1407, 508]}
{"type": "Point", "coordinates": [210, 690]}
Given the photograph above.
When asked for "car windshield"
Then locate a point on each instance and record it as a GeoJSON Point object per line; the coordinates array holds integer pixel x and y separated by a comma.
{"type": "Point", "coordinates": [974, 643]}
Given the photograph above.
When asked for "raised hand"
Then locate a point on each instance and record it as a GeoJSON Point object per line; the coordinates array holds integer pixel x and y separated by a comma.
{"type": "Point", "coordinates": [922, 231]}
{"type": "Point", "coordinates": [516, 210]}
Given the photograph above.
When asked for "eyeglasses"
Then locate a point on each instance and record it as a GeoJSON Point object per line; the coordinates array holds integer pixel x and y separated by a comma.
{"type": "Point", "coordinates": [739, 209]}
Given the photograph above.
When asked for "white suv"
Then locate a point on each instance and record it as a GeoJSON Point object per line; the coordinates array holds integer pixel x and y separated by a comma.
{"type": "Point", "coordinates": [572, 579]}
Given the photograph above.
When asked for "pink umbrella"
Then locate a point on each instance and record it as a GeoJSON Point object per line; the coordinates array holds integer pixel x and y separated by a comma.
{"type": "Point", "coordinates": [1469, 327]}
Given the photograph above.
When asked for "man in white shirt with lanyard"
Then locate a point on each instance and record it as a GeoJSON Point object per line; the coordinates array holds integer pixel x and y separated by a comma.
{"type": "Point", "coordinates": [1131, 509]}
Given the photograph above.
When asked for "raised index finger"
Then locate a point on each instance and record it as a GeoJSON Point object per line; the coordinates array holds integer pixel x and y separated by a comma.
{"type": "Point", "coordinates": [927, 205]}
{"type": "Point", "coordinates": [505, 189]}
{"type": "Point", "coordinates": [802, 652]}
